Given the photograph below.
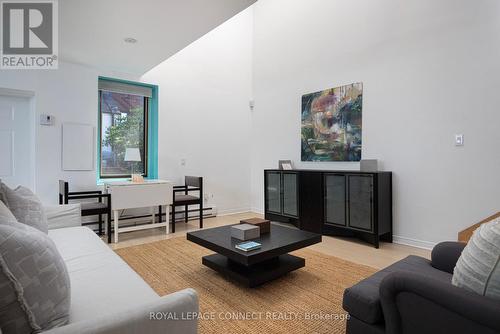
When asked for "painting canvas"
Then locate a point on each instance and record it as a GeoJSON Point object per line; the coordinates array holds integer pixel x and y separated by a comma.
{"type": "Point", "coordinates": [331, 124]}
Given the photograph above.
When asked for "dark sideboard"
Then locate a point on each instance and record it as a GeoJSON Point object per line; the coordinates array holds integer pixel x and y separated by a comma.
{"type": "Point", "coordinates": [341, 203]}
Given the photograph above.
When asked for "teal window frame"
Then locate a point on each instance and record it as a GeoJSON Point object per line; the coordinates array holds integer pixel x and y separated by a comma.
{"type": "Point", "coordinates": [152, 135]}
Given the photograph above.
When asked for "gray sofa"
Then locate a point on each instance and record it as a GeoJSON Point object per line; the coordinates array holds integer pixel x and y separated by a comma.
{"type": "Point", "coordinates": [107, 296]}
{"type": "Point", "coordinates": [415, 296]}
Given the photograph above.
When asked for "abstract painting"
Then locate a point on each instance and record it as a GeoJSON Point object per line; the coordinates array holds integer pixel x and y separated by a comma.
{"type": "Point", "coordinates": [331, 124]}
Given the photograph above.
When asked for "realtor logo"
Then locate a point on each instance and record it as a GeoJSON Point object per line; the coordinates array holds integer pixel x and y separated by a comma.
{"type": "Point", "coordinates": [29, 35]}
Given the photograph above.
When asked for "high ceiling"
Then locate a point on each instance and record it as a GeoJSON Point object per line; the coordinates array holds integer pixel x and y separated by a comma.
{"type": "Point", "coordinates": [92, 32]}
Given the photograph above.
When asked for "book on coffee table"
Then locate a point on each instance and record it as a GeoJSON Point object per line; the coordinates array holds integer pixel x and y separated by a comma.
{"type": "Point", "coordinates": [248, 246]}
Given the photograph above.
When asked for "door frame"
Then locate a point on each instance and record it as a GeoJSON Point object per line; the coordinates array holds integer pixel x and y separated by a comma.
{"type": "Point", "coordinates": [30, 96]}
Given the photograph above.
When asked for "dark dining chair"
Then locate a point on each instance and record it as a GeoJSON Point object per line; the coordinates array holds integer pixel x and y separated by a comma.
{"type": "Point", "coordinates": [90, 208]}
{"type": "Point", "coordinates": [183, 198]}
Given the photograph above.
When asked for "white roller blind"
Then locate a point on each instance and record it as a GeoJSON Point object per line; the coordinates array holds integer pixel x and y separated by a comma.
{"type": "Point", "coordinates": [124, 88]}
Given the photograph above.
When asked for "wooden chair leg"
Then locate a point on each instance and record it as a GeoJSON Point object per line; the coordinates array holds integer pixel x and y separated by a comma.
{"type": "Point", "coordinates": [173, 218]}
{"type": "Point", "coordinates": [159, 215]}
{"type": "Point", "coordinates": [201, 215]}
{"type": "Point", "coordinates": [186, 213]}
{"type": "Point", "coordinates": [100, 224]}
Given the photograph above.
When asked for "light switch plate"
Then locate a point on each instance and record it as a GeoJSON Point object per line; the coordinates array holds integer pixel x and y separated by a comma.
{"type": "Point", "coordinates": [46, 119]}
{"type": "Point", "coordinates": [459, 140]}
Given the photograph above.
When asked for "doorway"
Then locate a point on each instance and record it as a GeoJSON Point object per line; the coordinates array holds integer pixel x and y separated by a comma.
{"type": "Point", "coordinates": [17, 145]}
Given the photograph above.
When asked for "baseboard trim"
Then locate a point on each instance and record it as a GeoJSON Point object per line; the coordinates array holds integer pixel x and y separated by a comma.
{"type": "Point", "coordinates": [233, 211]}
{"type": "Point", "coordinates": [257, 210]}
{"type": "Point", "coordinates": [413, 242]}
{"type": "Point", "coordinates": [423, 244]}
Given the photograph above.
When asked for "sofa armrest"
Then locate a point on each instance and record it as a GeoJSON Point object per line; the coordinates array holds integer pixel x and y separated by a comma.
{"type": "Point", "coordinates": [175, 313]}
{"type": "Point", "coordinates": [445, 255]}
{"type": "Point", "coordinates": [414, 303]}
{"type": "Point", "coordinates": [60, 216]}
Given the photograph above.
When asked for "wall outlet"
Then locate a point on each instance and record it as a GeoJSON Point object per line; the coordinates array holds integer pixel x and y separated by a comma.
{"type": "Point", "coordinates": [459, 140]}
{"type": "Point", "coordinates": [183, 162]}
{"type": "Point", "coordinates": [207, 197]}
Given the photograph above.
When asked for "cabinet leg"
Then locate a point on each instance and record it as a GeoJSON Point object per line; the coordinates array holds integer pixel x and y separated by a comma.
{"type": "Point", "coordinates": [386, 237]}
{"type": "Point", "coordinates": [116, 217]}
{"type": "Point", "coordinates": [167, 214]}
{"type": "Point", "coordinates": [100, 225]}
{"type": "Point", "coordinates": [108, 227]}
{"type": "Point", "coordinates": [173, 218]}
{"type": "Point", "coordinates": [201, 215]}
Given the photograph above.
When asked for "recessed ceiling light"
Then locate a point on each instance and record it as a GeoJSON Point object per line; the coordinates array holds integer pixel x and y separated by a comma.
{"type": "Point", "coordinates": [130, 40]}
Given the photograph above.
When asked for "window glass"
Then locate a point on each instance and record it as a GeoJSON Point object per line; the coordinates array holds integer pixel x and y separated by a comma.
{"type": "Point", "coordinates": [123, 126]}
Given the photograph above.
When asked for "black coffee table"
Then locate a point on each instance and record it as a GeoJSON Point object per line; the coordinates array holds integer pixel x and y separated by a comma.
{"type": "Point", "coordinates": [258, 266]}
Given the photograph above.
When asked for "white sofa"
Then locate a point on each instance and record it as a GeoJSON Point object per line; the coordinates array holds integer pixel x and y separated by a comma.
{"type": "Point", "coordinates": [107, 296]}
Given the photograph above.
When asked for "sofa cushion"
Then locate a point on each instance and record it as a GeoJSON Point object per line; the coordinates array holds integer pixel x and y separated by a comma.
{"type": "Point", "coordinates": [34, 283]}
{"type": "Point", "coordinates": [61, 216]}
{"type": "Point", "coordinates": [101, 282]}
{"type": "Point", "coordinates": [363, 299]}
{"type": "Point", "coordinates": [478, 268]}
{"type": "Point", "coordinates": [25, 206]}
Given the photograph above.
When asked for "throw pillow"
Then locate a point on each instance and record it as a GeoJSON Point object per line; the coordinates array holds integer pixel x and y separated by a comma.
{"type": "Point", "coordinates": [6, 217]}
{"type": "Point", "coordinates": [2, 197]}
{"type": "Point", "coordinates": [26, 207]}
{"type": "Point", "coordinates": [478, 268]}
{"type": "Point", "coordinates": [34, 281]}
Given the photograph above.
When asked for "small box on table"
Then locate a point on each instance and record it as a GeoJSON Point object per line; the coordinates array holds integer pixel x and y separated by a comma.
{"type": "Point", "coordinates": [263, 224]}
{"type": "Point", "coordinates": [245, 232]}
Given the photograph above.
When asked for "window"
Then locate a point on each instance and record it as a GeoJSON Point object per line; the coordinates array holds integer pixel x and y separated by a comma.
{"type": "Point", "coordinates": [124, 114]}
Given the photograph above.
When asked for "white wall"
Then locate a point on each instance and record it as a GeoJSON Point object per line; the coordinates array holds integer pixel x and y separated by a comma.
{"type": "Point", "coordinates": [204, 91]}
{"type": "Point", "coordinates": [70, 94]}
{"type": "Point", "coordinates": [430, 69]}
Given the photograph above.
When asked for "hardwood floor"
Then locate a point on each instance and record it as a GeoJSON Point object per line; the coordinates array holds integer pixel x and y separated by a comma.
{"type": "Point", "coordinates": [181, 228]}
{"type": "Point", "coordinates": [345, 248]}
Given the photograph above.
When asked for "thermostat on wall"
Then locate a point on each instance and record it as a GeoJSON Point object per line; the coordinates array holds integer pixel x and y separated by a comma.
{"type": "Point", "coordinates": [46, 120]}
{"type": "Point", "coordinates": [459, 140]}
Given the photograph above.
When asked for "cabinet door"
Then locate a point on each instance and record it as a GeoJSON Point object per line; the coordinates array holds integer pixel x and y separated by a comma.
{"type": "Point", "coordinates": [311, 201]}
{"type": "Point", "coordinates": [273, 192]}
{"type": "Point", "coordinates": [290, 194]}
{"type": "Point", "coordinates": [360, 201]}
{"type": "Point", "coordinates": [335, 199]}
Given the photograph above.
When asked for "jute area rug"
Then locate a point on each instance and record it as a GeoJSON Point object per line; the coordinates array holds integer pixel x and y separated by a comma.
{"type": "Point", "coordinates": [308, 300]}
